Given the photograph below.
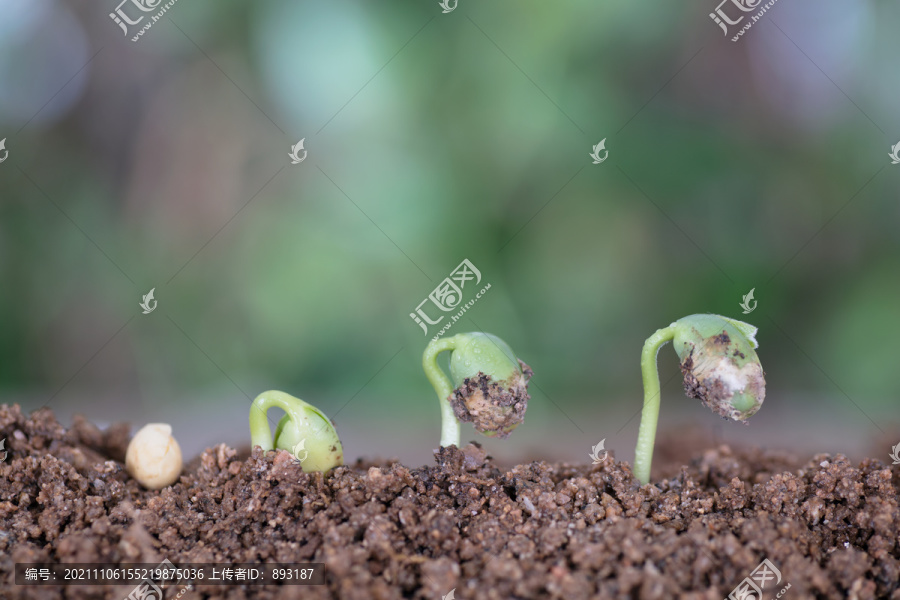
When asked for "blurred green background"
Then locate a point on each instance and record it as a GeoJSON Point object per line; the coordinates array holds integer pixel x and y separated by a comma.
{"type": "Point", "coordinates": [433, 138]}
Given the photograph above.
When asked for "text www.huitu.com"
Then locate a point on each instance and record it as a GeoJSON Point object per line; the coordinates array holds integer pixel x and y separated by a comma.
{"type": "Point", "coordinates": [456, 317]}
{"type": "Point", "coordinates": [154, 19]}
{"type": "Point", "coordinates": [754, 19]}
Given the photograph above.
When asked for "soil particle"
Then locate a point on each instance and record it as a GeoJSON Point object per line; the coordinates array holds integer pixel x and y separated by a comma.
{"type": "Point", "coordinates": [495, 408]}
{"type": "Point", "coordinates": [715, 395]}
{"type": "Point", "coordinates": [722, 339]}
{"type": "Point", "coordinates": [537, 530]}
{"type": "Point", "coordinates": [710, 376]}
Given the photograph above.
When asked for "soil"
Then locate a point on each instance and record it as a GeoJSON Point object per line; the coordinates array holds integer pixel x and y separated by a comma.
{"type": "Point", "coordinates": [495, 408]}
{"type": "Point", "coordinates": [384, 531]}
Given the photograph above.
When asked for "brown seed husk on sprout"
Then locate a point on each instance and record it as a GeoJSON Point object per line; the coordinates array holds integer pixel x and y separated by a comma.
{"type": "Point", "coordinates": [494, 408]}
{"type": "Point", "coordinates": [720, 367]}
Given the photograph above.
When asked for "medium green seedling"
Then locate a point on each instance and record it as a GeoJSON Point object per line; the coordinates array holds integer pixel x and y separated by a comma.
{"type": "Point", "coordinates": [304, 431]}
{"type": "Point", "coordinates": [489, 385]}
{"type": "Point", "coordinates": [720, 367]}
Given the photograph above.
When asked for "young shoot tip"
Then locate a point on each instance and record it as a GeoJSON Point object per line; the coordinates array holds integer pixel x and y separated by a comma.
{"type": "Point", "coordinates": [489, 386]}
{"type": "Point", "coordinates": [304, 431]}
{"type": "Point", "coordinates": [720, 368]}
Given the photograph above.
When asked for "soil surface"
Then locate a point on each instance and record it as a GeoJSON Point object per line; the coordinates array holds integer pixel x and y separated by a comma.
{"type": "Point", "coordinates": [386, 531]}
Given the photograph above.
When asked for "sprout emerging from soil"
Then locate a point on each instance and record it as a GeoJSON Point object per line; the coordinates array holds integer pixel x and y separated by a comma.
{"type": "Point", "coordinates": [489, 385]}
{"type": "Point", "coordinates": [720, 368]}
{"type": "Point", "coordinates": [304, 431]}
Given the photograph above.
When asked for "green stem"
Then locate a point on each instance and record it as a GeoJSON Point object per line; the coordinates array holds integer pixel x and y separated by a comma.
{"type": "Point", "coordinates": [443, 388]}
{"type": "Point", "coordinates": [643, 454]}
{"type": "Point", "coordinates": [260, 434]}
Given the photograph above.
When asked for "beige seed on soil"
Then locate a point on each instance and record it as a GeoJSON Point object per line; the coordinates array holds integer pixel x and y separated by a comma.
{"type": "Point", "coordinates": [154, 457]}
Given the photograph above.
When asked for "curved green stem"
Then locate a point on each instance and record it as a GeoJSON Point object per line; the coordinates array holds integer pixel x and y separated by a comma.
{"type": "Point", "coordinates": [443, 388]}
{"type": "Point", "coordinates": [304, 431]}
{"type": "Point", "coordinates": [260, 434]}
{"type": "Point", "coordinates": [643, 454]}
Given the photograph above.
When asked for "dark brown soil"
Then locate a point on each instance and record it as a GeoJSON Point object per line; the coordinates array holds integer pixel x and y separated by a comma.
{"type": "Point", "coordinates": [495, 408]}
{"type": "Point", "coordinates": [386, 531]}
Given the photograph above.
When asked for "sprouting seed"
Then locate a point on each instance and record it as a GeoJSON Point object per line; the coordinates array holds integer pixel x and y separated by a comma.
{"type": "Point", "coordinates": [720, 368]}
{"type": "Point", "coordinates": [489, 385]}
{"type": "Point", "coordinates": [304, 431]}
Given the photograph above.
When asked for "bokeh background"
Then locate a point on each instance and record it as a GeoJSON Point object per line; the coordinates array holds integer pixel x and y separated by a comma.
{"type": "Point", "coordinates": [433, 137]}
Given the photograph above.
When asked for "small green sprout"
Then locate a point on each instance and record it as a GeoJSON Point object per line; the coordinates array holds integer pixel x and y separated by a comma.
{"type": "Point", "coordinates": [489, 389]}
{"type": "Point", "coordinates": [720, 367]}
{"type": "Point", "coordinates": [304, 431]}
